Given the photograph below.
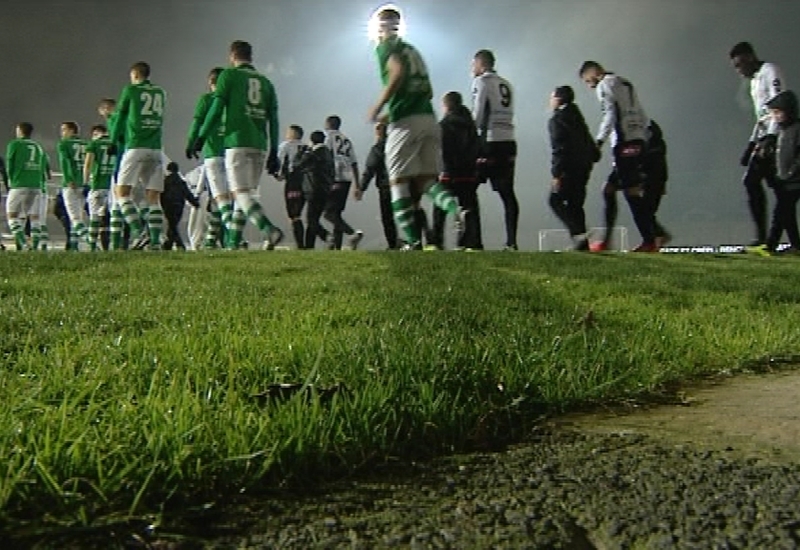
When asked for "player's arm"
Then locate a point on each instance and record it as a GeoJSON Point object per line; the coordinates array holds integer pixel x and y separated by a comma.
{"type": "Point", "coordinates": [609, 109]}
{"type": "Point", "coordinates": [200, 112]}
{"type": "Point", "coordinates": [66, 164]}
{"type": "Point", "coordinates": [119, 121]}
{"type": "Point", "coordinates": [480, 102]}
{"type": "Point", "coordinates": [48, 174]}
{"type": "Point", "coordinates": [397, 73]}
{"type": "Point", "coordinates": [88, 162]}
{"type": "Point", "coordinates": [370, 168]}
{"type": "Point", "coordinates": [354, 165]}
{"type": "Point", "coordinates": [776, 86]}
{"type": "Point", "coordinates": [11, 158]}
{"type": "Point", "coordinates": [216, 109]}
{"type": "Point", "coordinates": [272, 117]}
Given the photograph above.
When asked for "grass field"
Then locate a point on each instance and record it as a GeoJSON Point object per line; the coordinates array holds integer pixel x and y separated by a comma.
{"type": "Point", "coordinates": [130, 381]}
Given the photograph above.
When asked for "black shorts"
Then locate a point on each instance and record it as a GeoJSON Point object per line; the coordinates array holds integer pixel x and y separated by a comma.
{"type": "Point", "coordinates": [500, 164]}
{"type": "Point", "coordinates": [337, 197]}
{"type": "Point", "coordinates": [628, 165]}
{"type": "Point", "coordinates": [295, 201]}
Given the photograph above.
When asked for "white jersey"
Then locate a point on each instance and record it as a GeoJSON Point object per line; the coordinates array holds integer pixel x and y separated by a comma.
{"type": "Point", "coordinates": [624, 118]}
{"type": "Point", "coordinates": [493, 107]}
{"type": "Point", "coordinates": [287, 151]}
{"type": "Point", "coordinates": [765, 84]}
{"type": "Point", "coordinates": [344, 155]}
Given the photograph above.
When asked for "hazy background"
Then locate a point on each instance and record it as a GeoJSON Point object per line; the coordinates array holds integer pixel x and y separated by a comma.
{"type": "Point", "coordinates": [60, 57]}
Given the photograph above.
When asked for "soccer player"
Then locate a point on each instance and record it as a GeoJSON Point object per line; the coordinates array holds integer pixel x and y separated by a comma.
{"type": "Point", "coordinates": [460, 148]}
{"type": "Point", "coordinates": [766, 81]}
{"type": "Point", "coordinates": [27, 171]}
{"type": "Point", "coordinates": [346, 163]}
{"type": "Point", "coordinates": [249, 104]}
{"type": "Point", "coordinates": [573, 154]}
{"type": "Point", "coordinates": [625, 123]}
{"type": "Point", "coordinates": [213, 164]}
{"type": "Point", "coordinates": [316, 163]}
{"type": "Point", "coordinates": [493, 110]}
{"type": "Point", "coordinates": [293, 182]}
{"type": "Point", "coordinates": [375, 167]}
{"type": "Point", "coordinates": [413, 140]}
{"type": "Point", "coordinates": [98, 170]}
{"type": "Point", "coordinates": [140, 120]}
{"type": "Point", "coordinates": [71, 152]}
{"type": "Point", "coordinates": [175, 196]}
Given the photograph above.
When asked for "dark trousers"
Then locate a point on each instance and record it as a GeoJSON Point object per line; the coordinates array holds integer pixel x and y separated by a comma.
{"type": "Point", "coordinates": [173, 217]}
{"type": "Point", "coordinates": [467, 195]}
{"type": "Point", "coordinates": [499, 171]}
{"type": "Point", "coordinates": [567, 203]}
{"type": "Point", "coordinates": [387, 217]}
{"type": "Point", "coordinates": [759, 170]}
{"type": "Point", "coordinates": [315, 206]}
{"type": "Point", "coordinates": [784, 218]}
{"type": "Point", "coordinates": [337, 200]}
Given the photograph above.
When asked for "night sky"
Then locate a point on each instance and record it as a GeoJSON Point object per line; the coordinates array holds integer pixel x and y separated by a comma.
{"type": "Point", "coordinates": [61, 57]}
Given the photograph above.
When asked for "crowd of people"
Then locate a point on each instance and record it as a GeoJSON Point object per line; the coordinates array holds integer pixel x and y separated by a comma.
{"type": "Point", "coordinates": [114, 184]}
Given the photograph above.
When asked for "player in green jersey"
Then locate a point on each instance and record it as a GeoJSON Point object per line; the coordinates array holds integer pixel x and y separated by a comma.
{"type": "Point", "coordinates": [28, 169]}
{"type": "Point", "coordinates": [248, 102]}
{"type": "Point", "coordinates": [140, 120]}
{"type": "Point", "coordinates": [213, 164]}
{"type": "Point", "coordinates": [98, 170]}
{"type": "Point", "coordinates": [413, 138]}
{"type": "Point", "coordinates": [71, 151]}
{"type": "Point", "coordinates": [116, 225]}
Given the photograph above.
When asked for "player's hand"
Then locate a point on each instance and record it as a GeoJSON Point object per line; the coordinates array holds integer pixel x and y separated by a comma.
{"type": "Point", "coordinates": [556, 185]}
{"type": "Point", "coordinates": [374, 114]}
{"type": "Point", "coordinates": [112, 150]}
{"type": "Point", "coordinates": [190, 154]}
{"type": "Point", "coordinates": [358, 193]}
{"type": "Point", "coordinates": [273, 164]}
{"type": "Point", "coordinates": [197, 146]}
{"type": "Point", "coordinates": [748, 154]}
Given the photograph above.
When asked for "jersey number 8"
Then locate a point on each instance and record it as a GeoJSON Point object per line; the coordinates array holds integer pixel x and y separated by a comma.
{"type": "Point", "coordinates": [254, 91]}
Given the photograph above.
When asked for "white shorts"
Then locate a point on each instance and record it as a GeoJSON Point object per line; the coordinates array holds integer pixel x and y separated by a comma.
{"type": "Point", "coordinates": [142, 168]}
{"type": "Point", "coordinates": [21, 203]}
{"type": "Point", "coordinates": [412, 147]}
{"type": "Point", "coordinates": [98, 203]}
{"type": "Point", "coordinates": [214, 169]}
{"type": "Point", "coordinates": [244, 168]}
{"type": "Point", "coordinates": [73, 203]}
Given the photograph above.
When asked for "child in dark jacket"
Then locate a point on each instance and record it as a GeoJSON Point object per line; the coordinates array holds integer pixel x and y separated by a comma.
{"type": "Point", "coordinates": [176, 194]}
{"type": "Point", "coordinates": [317, 165]}
{"type": "Point", "coordinates": [460, 148]}
{"type": "Point", "coordinates": [784, 110]}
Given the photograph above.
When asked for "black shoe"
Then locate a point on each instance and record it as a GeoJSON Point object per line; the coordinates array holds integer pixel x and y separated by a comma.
{"type": "Point", "coordinates": [142, 241]}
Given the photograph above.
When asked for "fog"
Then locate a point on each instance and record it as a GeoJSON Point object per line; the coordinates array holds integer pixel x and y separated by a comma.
{"type": "Point", "coordinates": [60, 57]}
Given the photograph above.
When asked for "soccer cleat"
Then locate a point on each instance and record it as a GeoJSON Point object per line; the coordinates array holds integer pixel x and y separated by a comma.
{"type": "Point", "coordinates": [599, 246]}
{"type": "Point", "coordinates": [582, 246]}
{"type": "Point", "coordinates": [760, 250]}
{"type": "Point", "coordinates": [411, 247]}
{"type": "Point", "coordinates": [431, 248]}
{"type": "Point", "coordinates": [646, 248]}
{"type": "Point", "coordinates": [274, 238]}
{"type": "Point", "coordinates": [663, 240]}
{"type": "Point", "coordinates": [510, 248]}
{"type": "Point", "coordinates": [356, 239]}
{"type": "Point", "coordinates": [142, 241]}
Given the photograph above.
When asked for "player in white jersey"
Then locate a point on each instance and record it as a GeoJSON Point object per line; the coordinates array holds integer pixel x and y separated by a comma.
{"type": "Point", "coordinates": [346, 174]}
{"type": "Point", "coordinates": [766, 81]}
{"type": "Point", "coordinates": [625, 124]}
{"type": "Point", "coordinates": [293, 182]}
{"type": "Point", "coordinates": [493, 110]}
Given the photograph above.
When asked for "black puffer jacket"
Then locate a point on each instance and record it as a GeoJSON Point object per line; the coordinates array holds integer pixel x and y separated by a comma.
{"type": "Point", "coordinates": [574, 149]}
{"type": "Point", "coordinates": [317, 165]}
{"type": "Point", "coordinates": [176, 193]}
{"type": "Point", "coordinates": [460, 145]}
{"type": "Point", "coordinates": [655, 158]}
{"type": "Point", "coordinates": [787, 154]}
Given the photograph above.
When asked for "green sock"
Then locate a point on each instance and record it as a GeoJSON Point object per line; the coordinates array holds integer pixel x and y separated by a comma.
{"type": "Point", "coordinates": [403, 209]}
{"type": "Point", "coordinates": [155, 221]}
{"type": "Point", "coordinates": [442, 198]}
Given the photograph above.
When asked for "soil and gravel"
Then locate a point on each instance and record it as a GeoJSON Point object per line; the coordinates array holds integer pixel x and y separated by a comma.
{"type": "Point", "coordinates": [722, 470]}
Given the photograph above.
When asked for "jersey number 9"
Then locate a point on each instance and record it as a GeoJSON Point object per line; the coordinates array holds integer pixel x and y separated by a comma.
{"type": "Point", "coordinates": [505, 95]}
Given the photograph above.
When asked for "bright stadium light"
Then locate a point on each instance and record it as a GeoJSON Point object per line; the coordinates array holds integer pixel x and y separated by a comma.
{"type": "Point", "coordinates": [374, 25]}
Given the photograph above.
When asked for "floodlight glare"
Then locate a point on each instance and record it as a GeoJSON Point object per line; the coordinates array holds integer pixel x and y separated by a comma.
{"type": "Point", "coordinates": [375, 27]}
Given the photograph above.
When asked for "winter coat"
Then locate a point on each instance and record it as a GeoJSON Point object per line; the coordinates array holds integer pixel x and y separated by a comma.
{"type": "Point", "coordinates": [375, 167]}
{"type": "Point", "coordinates": [460, 146]}
{"type": "Point", "coordinates": [573, 148]}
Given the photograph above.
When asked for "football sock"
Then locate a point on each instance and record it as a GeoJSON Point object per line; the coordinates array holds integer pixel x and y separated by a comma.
{"type": "Point", "coordinates": [403, 209]}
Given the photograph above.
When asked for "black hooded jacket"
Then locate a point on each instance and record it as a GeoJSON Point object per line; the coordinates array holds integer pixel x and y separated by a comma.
{"type": "Point", "coordinates": [317, 165]}
{"type": "Point", "coordinates": [787, 154]}
{"type": "Point", "coordinates": [574, 149]}
{"type": "Point", "coordinates": [460, 145]}
{"type": "Point", "coordinates": [655, 158]}
{"type": "Point", "coordinates": [375, 167]}
{"type": "Point", "coordinates": [176, 193]}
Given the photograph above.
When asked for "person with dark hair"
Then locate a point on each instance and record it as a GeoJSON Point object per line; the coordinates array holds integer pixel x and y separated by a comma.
{"type": "Point", "coordinates": [460, 149]}
{"type": "Point", "coordinates": [28, 171]}
{"type": "Point", "coordinates": [249, 104]}
{"type": "Point", "coordinates": [346, 174]}
{"type": "Point", "coordinates": [316, 163]}
{"type": "Point", "coordinates": [412, 140]}
{"type": "Point", "coordinates": [176, 194]}
{"type": "Point", "coordinates": [574, 152]}
{"type": "Point", "coordinates": [98, 170]}
{"type": "Point", "coordinates": [293, 182]}
{"type": "Point", "coordinates": [493, 110]}
{"type": "Point", "coordinates": [625, 123]}
{"type": "Point", "coordinates": [375, 168]}
{"type": "Point", "coordinates": [140, 121]}
{"type": "Point", "coordinates": [213, 164]}
{"type": "Point", "coordinates": [783, 108]}
{"type": "Point", "coordinates": [766, 81]}
{"type": "Point", "coordinates": [71, 151]}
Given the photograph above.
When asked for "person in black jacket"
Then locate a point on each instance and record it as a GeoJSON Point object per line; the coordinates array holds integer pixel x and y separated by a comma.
{"type": "Point", "coordinates": [460, 149]}
{"type": "Point", "coordinates": [574, 152]}
{"type": "Point", "coordinates": [375, 167]}
{"type": "Point", "coordinates": [176, 194]}
{"type": "Point", "coordinates": [656, 175]}
{"type": "Point", "coordinates": [317, 165]}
